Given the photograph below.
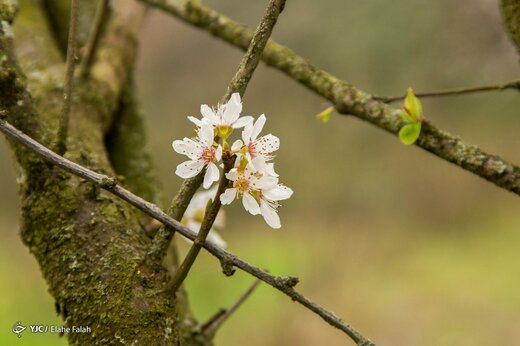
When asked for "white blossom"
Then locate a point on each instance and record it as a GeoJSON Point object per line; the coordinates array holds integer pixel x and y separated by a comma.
{"type": "Point", "coordinates": [202, 153]}
{"type": "Point", "coordinates": [260, 193]}
{"type": "Point", "coordinates": [194, 215]}
{"type": "Point", "coordinates": [226, 116]}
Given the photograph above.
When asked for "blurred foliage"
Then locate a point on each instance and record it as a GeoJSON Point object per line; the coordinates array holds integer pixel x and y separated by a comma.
{"type": "Point", "coordinates": [408, 248]}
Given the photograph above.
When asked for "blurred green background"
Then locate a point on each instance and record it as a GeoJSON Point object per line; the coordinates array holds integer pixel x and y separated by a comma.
{"type": "Point", "coordinates": [408, 248]}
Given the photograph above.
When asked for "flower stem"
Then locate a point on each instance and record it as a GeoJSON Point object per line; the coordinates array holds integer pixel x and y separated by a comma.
{"type": "Point", "coordinates": [205, 227]}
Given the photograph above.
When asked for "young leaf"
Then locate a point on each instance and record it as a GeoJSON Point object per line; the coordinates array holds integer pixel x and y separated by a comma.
{"type": "Point", "coordinates": [324, 116]}
{"type": "Point", "coordinates": [409, 133]}
{"type": "Point", "coordinates": [413, 106]}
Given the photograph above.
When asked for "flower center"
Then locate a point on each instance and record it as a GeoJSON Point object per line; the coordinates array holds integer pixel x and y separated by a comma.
{"type": "Point", "coordinates": [208, 155]}
{"type": "Point", "coordinates": [251, 149]}
{"type": "Point", "coordinates": [242, 185]}
{"type": "Point", "coordinates": [224, 131]}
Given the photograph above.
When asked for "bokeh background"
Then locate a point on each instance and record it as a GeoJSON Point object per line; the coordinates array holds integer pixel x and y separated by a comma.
{"type": "Point", "coordinates": [408, 248]}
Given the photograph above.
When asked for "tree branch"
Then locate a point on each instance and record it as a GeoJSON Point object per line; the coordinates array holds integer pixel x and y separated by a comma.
{"type": "Point", "coordinates": [93, 39]}
{"type": "Point", "coordinates": [456, 91]}
{"type": "Point", "coordinates": [216, 321]}
{"type": "Point", "coordinates": [347, 99]}
{"type": "Point", "coordinates": [205, 227]}
{"type": "Point", "coordinates": [227, 260]}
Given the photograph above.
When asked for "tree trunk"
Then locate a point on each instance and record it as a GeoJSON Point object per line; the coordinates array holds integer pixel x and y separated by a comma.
{"type": "Point", "coordinates": [90, 246]}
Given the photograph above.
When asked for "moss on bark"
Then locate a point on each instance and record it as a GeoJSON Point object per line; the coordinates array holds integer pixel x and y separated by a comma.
{"type": "Point", "coordinates": [90, 246]}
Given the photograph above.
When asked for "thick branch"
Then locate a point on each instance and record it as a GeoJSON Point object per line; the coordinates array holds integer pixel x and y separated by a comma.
{"type": "Point", "coordinates": [347, 99]}
{"type": "Point", "coordinates": [228, 260]}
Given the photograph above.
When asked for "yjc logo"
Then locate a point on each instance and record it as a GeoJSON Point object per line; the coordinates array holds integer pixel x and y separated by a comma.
{"type": "Point", "coordinates": [18, 328]}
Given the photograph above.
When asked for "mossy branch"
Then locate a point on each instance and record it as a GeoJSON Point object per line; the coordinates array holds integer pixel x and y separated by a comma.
{"type": "Point", "coordinates": [228, 261]}
{"type": "Point", "coordinates": [349, 100]}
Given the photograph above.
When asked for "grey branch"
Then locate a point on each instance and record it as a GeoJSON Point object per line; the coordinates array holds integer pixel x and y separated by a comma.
{"type": "Point", "coordinates": [227, 259]}
{"type": "Point", "coordinates": [456, 91]}
{"type": "Point", "coordinates": [93, 39]}
{"type": "Point", "coordinates": [347, 99]}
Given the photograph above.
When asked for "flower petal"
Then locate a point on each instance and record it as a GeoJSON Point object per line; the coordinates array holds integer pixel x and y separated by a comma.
{"type": "Point", "coordinates": [270, 215]}
{"type": "Point", "coordinates": [194, 120]}
{"type": "Point", "coordinates": [259, 125]}
{"type": "Point", "coordinates": [189, 169]}
{"type": "Point", "coordinates": [232, 109]}
{"type": "Point", "coordinates": [267, 144]}
{"type": "Point", "coordinates": [250, 204]}
{"type": "Point", "coordinates": [246, 133]}
{"type": "Point", "coordinates": [187, 147]}
{"type": "Point", "coordinates": [232, 174]}
{"type": "Point", "coordinates": [212, 174]}
{"type": "Point", "coordinates": [242, 121]}
{"type": "Point", "coordinates": [206, 133]}
{"type": "Point", "coordinates": [208, 114]}
{"type": "Point", "coordinates": [237, 145]}
{"type": "Point", "coordinates": [278, 193]}
{"type": "Point", "coordinates": [228, 196]}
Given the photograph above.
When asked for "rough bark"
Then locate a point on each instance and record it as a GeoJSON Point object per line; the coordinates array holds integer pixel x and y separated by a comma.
{"type": "Point", "coordinates": [90, 246]}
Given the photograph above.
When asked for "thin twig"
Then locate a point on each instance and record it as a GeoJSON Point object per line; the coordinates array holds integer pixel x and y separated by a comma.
{"type": "Point", "coordinates": [92, 42]}
{"type": "Point", "coordinates": [61, 143]}
{"type": "Point", "coordinates": [211, 326]}
{"type": "Point", "coordinates": [456, 91]}
{"type": "Point", "coordinates": [254, 51]}
{"type": "Point", "coordinates": [347, 99]}
{"type": "Point", "coordinates": [227, 259]}
{"type": "Point", "coordinates": [238, 83]}
{"type": "Point", "coordinates": [205, 227]}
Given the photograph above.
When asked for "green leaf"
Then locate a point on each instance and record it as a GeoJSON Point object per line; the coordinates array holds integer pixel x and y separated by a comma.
{"type": "Point", "coordinates": [407, 119]}
{"type": "Point", "coordinates": [324, 116]}
{"type": "Point", "coordinates": [409, 133]}
{"type": "Point", "coordinates": [413, 106]}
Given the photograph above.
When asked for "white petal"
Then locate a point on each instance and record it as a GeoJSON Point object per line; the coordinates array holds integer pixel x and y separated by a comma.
{"type": "Point", "coordinates": [267, 144]}
{"type": "Point", "coordinates": [228, 196]}
{"type": "Point", "coordinates": [237, 145]}
{"type": "Point", "coordinates": [242, 121]}
{"type": "Point", "coordinates": [246, 133]}
{"type": "Point", "coordinates": [259, 163]}
{"type": "Point", "coordinates": [250, 204]}
{"type": "Point", "coordinates": [187, 147]}
{"type": "Point", "coordinates": [259, 125]}
{"type": "Point", "coordinates": [208, 114]}
{"type": "Point", "coordinates": [218, 153]}
{"type": "Point", "coordinates": [206, 133]}
{"type": "Point", "coordinates": [189, 169]}
{"type": "Point", "coordinates": [212, 174]}
{"type": "Point", "coordinates": [266, 182]}
{"type": "Point", "coordinates": [194, 120]}
{"type": "Point", "coordinates": [232, 174]}
{"type": "Point", "coordinates": [278, 193]}
{"type": "Point", "coordinates": [270, 215]}
{"type": "Point", "coordinates": [232, 109]}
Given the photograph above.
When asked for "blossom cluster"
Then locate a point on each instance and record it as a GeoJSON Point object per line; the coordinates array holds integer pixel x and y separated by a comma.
{"type": "Point", "coordinates": [253, 178]}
